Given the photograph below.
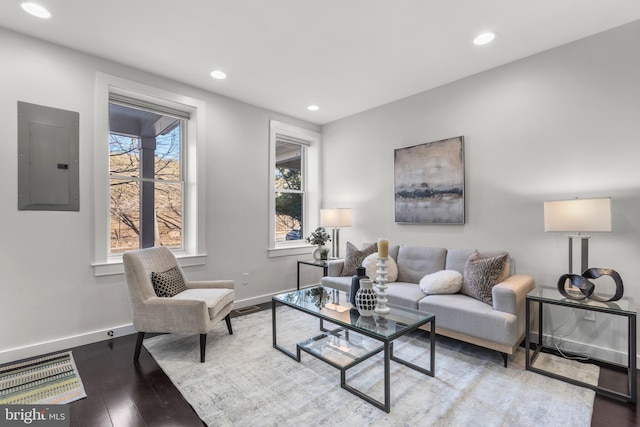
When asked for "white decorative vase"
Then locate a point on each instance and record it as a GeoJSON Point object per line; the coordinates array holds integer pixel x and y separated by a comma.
{"type": "Point", "coordinates": [366, 298]}
{"type": "Point", "coordinates": [317, 252]}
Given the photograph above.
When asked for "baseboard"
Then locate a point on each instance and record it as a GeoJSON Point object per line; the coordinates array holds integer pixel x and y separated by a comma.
{"type": "Point", "coordinates": [37, 349]}
{"type": "Point", "coordinates": [19, 353]}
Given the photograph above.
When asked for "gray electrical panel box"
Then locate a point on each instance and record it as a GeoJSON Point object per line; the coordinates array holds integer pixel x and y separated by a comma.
{"type": "Point", "coordinates": [48, 151]}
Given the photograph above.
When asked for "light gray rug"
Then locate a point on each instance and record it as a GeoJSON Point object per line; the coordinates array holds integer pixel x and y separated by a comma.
{"type": "Point", "coordinates": [245, 381]}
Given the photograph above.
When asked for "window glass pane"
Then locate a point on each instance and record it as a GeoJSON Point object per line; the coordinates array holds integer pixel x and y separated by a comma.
{"type": "Point", "coordinates": [168, 205]}
{"type": "Point", "coordinates": [288, 166]}
{"type": "Point", "coordinates": [124, 221]}
{"type": "Point", "coordinates": [167, 154]}
{"type": "Point", "coordinates": [289, 216]}
{"type": "Point", "coordinates": [124, 155]}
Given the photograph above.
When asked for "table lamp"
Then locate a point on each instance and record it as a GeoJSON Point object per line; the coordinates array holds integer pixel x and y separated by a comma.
{"type": "Point", "coordinates": [335, 218]}
{"type": "Point", "coordinates": [577, 216]}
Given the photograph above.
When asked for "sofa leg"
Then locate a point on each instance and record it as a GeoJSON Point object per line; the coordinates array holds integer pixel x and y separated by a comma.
{"type": "Point", "coordinates": [136, 353]}
{"type": "Point", "coordinates": [228, 320]}
{"type": "Point", "coordinates": [203, 346]}
{"type": "Point", "coordinates": [505, 357]}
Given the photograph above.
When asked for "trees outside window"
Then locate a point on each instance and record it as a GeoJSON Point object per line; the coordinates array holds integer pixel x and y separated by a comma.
{"type": "Point", "coordinates": [145, 179]}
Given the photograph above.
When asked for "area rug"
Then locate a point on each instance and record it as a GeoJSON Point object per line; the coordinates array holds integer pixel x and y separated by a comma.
{"type": "Point", "coordinates": [46, 380]}
{"type": "Point", "coordinates": [245, 381]}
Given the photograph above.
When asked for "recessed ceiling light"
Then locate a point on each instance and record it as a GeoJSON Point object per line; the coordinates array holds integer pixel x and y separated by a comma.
{"type": "Point", "coordinates": [35, 10]}
{"type": "Point", "coordinates": [484, 38]}
{"type": "Point", "coordinates": [313, 108]}
{"type": "Point", "coordinates": [217, 74]}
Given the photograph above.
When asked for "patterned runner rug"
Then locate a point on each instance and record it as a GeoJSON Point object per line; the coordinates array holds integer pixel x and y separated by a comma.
{"type": "Point", "coordinates": [47, 380]}
{"type": "Point", "coordinates": [245, 381]}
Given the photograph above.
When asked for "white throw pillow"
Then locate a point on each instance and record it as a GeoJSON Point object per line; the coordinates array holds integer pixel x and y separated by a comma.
{"type": "Point", "coordinates": [370, 262]}
{"type": "Point", "coordinates": [441, 282]}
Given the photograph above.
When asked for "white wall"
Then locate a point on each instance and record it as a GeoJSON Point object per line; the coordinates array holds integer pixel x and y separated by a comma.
{"type": "Point", "coordinates": [561, 124]}
{"type": "Point", "coordinates": [50, 298]}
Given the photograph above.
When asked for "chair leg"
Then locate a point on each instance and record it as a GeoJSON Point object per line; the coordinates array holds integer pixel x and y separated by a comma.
{"type": "Point", "coordinates": [203, 346]}
{"type": "Point", "coordinates": [136, 354]}
{"type": "Point", "coordinates": [505, 357]}
{"type": "Point", "coordinates": [228, 320]}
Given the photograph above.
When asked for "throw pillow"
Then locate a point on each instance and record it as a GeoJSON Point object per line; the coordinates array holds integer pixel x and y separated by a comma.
{"type": "Point", "coordinates": [168, 283]}
{"type": "Point", "coordinates": [441, 282]}
{"type": "Point", "coordinates": [354, 257]}
{"type": "Point", "coordinates": [481, 275]}
{"type": "Point", "coordinates": [369, 263]}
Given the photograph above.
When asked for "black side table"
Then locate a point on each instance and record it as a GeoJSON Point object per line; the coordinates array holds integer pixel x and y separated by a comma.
{"type": "Point", "coordinates": [623, 307]}
{"type": "Point", "coordinates": [322, 264]}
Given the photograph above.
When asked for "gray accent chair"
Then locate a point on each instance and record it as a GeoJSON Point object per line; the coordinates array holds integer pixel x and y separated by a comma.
{"type": "Point", "coordinates": [196, 310]}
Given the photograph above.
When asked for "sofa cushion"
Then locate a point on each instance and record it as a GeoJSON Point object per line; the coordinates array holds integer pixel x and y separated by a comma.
{"type": "Point", "coordinates": [168, 283]}
{"type": "Point", "coordinates": [441, 282]}
{"type": "Point", "coordinates": [354, 257]}
{"type": "Point", "coordinates": [462, 314]}
{"type": "Point", "coordinates": [370, 263]}
{"type": "Point", "coordinates": [404, 294]}
{"type": "Point", "coordinates": [415, 262]}
{"type": "Point", "coordinates": [481, 275]}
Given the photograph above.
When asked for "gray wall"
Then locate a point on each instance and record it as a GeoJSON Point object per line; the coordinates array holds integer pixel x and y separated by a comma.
{"type": "Point", "coordinates": [50, 297]}
{"type": "Point", "coordinates": [561, 124]}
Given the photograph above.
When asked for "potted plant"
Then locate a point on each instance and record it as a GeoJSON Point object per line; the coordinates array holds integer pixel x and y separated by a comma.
{"type": "Point", "coordinates": [319, 237]}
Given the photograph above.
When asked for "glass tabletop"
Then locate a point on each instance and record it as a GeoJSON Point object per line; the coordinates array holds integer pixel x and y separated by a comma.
{"type": "Point", "coordinates": [333, 305]}
{"type": "Point", "coordinates": [552, 295]}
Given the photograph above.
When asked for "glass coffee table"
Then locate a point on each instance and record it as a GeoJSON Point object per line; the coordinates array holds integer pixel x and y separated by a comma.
{"type": "Point", "coordinates": [342, 350]}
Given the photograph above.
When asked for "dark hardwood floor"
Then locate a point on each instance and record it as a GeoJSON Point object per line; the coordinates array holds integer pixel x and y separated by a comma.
{"type": "Point", "coordinates": [123, 394]}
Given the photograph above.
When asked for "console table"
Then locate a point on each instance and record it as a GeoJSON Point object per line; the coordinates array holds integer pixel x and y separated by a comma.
{"type": "Point", "coordinates": [623, 307]}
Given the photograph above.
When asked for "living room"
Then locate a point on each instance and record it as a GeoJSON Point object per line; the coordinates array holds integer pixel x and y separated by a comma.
{"type": "Point", "coordinates": [559, 124]}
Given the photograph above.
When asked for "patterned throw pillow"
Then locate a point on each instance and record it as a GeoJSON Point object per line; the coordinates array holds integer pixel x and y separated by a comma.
{"type": "Point", "coordinates": [354, 257]}
{"type": "Point", "coordinates": [481, 275]}
{"type": "Point", "coordinates": [168, 283]}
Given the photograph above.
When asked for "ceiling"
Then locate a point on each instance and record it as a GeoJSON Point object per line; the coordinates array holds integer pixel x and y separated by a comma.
{"type": "Point", "coordinates": [345, 56]}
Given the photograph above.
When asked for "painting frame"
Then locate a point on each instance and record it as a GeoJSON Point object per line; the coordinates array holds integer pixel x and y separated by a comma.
{"type": "Point", "coordinates": [429, 183]}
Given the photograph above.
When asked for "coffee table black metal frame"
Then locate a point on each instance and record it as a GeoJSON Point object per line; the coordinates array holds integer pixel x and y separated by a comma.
{"type": "Point", "coordinates": [386, 341]}
{"type": "Point", "coordinates": [624, 307]}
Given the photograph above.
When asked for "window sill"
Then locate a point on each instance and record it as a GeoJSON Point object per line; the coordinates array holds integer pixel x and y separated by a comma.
{"type": "Point", "coordinates": [290, 251]}
{"type": "Point", "coordinates": [115, 266]}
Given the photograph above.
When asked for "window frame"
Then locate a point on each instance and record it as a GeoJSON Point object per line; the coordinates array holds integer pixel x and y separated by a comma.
{"type": "Point", "coordinates": [194, 224]}
{"type": "Point", "coordinates": [310, 183]}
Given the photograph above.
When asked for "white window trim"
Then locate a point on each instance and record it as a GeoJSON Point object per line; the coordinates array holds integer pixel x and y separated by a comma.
{"type": "Point", "coordinates": [194, 252]}
{"type": "Point", "coordinates": [312, 187]}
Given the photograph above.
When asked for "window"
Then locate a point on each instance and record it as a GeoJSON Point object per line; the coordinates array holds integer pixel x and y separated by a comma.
{"type": "Point", "coordinates": [145, 178]}
{"type": "Point", "coordinates": [147, 164]}
{"type": "Point", "coordinates": [293, 185]}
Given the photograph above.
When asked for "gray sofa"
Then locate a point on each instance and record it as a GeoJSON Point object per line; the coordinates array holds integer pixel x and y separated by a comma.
{"type": "Point", "coordinates": [500, 326]}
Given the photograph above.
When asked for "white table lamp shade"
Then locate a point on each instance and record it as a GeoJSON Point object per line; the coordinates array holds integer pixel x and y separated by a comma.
{"type": "Point", "coordinates": [578, 215]}
{"type": "Point", "coordinates": [337, 217]}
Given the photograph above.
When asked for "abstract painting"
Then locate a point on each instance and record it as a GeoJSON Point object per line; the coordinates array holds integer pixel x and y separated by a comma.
{"type": "Point", "coordinates": [429, 182]}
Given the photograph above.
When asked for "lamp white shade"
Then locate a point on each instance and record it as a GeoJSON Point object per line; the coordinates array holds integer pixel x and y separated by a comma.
{"type": "Point", "coordinates": [336, 217]}
{"type": "Point", "coordinates": [578, 215]}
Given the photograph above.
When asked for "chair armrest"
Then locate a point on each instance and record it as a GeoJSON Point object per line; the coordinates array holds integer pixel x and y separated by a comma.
{"type": "Point", "coordinates": [510, 295]}
{"type": "Point", "coordinates": [207, 284]}
{"type": "Point", "coordinates": [335, 267]}
{"type": "Point", "coordinates": [173, 316]}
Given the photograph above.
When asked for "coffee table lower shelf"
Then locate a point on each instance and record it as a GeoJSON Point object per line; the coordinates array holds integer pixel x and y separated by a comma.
{"type": "Point", "coordinates": [343, 353]}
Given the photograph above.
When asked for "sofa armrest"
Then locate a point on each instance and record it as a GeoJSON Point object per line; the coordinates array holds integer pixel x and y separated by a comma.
{"type": "Point", "coordinates": [335, 267]}
{"type": "Point", "coordinates": [510, 295]}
